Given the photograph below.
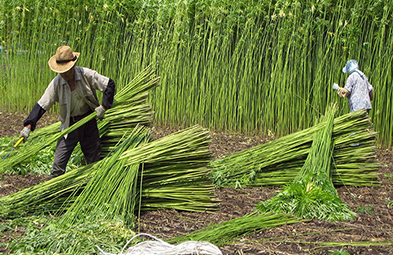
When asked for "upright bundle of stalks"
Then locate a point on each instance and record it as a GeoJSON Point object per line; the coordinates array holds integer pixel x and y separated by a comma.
{"type": "Point", "coordinates": [130, 108]}
{"type": "Point", "coordinates": [226, 232]}
{"type": "Point", "coordinates": [278, 162]}
{"type": "Point", "coordinates": [312, 193]}
{"type": "Point", "coordinates": [172, 173]}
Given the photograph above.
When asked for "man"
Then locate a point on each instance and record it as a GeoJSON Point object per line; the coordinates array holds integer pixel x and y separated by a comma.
{"type": "Point", "coordinates": [357, 88]}
{"type": "Point", "coordinates": [74, 89]}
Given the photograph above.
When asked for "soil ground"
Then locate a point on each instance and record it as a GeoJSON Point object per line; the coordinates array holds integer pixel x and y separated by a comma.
{"type": "Point", "coordinates": [373, 224]}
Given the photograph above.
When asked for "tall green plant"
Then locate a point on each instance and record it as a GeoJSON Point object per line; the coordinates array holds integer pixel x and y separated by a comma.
{"type": "Point", "coordinates": [248, 66]}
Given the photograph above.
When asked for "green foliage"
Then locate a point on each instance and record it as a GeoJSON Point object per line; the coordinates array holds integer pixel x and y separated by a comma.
{"type": "Point", "coordinates": [389, 176]}
{"type": "Point", "coordinates": [40, 163]}
{"type": "Point", "coordinates": [365, 209]}
{"type": "Point", "coordinates": [340, 252]}
{"type": "Point", "coordinates": [44, 236]}
{"type": "Point", "coordinates": [247, 65]}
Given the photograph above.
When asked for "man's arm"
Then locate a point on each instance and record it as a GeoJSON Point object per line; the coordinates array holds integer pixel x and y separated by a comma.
{"type": "Point", "coordinates": [31, 121]}
{"type": "Point", "coordinates": [107, 99]}
{"type": "Point", "coordinates": [34, 116]}
{"type": "Point", "coordinates": [109, 93]}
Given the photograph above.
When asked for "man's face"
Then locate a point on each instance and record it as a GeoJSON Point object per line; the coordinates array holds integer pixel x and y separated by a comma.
{"type": "Point", "coordinates": [69, 75]}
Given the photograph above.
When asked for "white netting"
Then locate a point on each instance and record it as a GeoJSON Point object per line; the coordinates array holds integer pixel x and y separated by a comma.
{"type": "Point", "coordinates": [159, 247]}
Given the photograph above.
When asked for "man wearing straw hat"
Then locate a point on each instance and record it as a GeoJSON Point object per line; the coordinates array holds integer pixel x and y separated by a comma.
{"type": "Point", "coordinates": [74, 89]}
{"type": "Point", "coordinates": [357, 88]}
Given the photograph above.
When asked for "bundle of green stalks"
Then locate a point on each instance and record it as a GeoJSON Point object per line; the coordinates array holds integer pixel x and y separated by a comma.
{"type": "Point", "coordinates": [111, 190]}
{"type": "Point", "coordinates": [277, 162]}
{"type": "Point", "coordinates": [130, 108]}
{"type": "Point", "coordinates": [225, 232]}
{"type": "Point", "coordinates": [169, 173]}
{"type": "Point", "coordinates": [172, 173]}
{"type": "Point", "coordinates": [312, 193]}
{"type": "Point", "coordinates": [176, 175]}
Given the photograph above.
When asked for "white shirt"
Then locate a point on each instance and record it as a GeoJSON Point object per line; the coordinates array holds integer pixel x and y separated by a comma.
{"type": "Point", "coordinates": [87, 81]}
{"type": "Point", "coordinates": [359, 88]}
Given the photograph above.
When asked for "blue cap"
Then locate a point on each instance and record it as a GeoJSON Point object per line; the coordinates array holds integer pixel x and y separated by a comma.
{"type": "Point", "coordinates": [351, 66]}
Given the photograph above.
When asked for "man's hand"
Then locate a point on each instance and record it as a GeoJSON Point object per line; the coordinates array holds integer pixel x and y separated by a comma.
{"type": "Point", "coordinates": [25, 133]}
{"type": "Point", "coordinates": [100, 110]}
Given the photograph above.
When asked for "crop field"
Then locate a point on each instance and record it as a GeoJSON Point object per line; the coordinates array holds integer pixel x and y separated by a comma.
{"type": "Point", "coordinates": [225, 127]}
{"type": "Point", "coordinates": [370, 233]}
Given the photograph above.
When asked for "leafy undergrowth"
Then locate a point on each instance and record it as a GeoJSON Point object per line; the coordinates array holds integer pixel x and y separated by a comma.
{"type": "Point", "coordinates": [44, 235]}
{"type": "Point", "coordinates": [40, 163]}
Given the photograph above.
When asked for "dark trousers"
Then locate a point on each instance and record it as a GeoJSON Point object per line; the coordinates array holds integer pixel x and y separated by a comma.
{"type": "Point", "coordinates": [89, 139]}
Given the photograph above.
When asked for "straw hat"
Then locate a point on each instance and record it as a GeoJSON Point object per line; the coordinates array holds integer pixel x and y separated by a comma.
{"type": "Point", "coordinates": [63, 60]}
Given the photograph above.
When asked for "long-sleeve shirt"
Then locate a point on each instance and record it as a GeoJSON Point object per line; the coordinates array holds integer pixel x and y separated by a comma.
{"type": "Point", "coordinates": [87, 81]}
{"type": "Point", "coordinates": [359, 88]}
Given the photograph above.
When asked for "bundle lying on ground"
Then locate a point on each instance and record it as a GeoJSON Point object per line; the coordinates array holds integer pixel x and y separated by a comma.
{"type": "Point", "coordinates": [173, 172]}
{"type": "Point", "coordinates": [277, 162]}
{"type": "Point", "coordinates": [226, 232]}
{"type": "Point", "coordinates": [312, 194]}
{"type": "Point", "coordinates": [130, 108]}
{"type": "Point", "coordinates": [111, 190]}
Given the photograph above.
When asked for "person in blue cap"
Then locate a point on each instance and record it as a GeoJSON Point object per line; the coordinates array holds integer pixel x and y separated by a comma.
{"type": "Point", "coordinates": [357, 89]}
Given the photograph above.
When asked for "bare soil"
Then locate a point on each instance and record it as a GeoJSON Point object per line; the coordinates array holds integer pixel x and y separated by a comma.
{"type": "Point", "coordinates": [373, 224]}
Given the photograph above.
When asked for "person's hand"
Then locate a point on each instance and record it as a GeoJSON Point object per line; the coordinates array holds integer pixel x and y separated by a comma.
{"type": "Point", "coordinates": [342, 92]}
{"type": "Point", "coordinates": [100, 110]}
{"type": "Point", "coordinates": [25, 133]}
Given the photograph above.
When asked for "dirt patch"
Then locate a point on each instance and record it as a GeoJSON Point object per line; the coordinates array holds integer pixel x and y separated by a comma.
{"type": "Point", "coordinates": [373, 224]}
{"type": "Point", "coordinates": [12, 123]}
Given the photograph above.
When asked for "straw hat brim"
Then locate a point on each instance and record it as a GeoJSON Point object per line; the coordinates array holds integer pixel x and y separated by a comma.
{"type": "Point", "coordinates": [62, 67]}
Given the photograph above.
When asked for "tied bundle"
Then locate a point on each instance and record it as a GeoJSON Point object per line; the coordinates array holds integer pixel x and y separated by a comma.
{"type": "Point", "coordinates": [277, 162]}
{"type": "Point", "coordinates": [312, 194]}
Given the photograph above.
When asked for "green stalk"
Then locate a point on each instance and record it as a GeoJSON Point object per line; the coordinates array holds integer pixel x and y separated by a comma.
{"type": "Point", "coordinates": [225, 232]}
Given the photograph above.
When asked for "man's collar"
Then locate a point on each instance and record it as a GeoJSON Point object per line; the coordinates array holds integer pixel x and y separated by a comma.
{"type": "Point", "coordinates": [77, 75]}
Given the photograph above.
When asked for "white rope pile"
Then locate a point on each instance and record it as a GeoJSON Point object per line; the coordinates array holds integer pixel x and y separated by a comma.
{"type": "Point", "coordinates": [159, 247]}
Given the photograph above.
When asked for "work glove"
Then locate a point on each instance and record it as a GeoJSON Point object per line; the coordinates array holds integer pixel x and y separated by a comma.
{"type": "Point", "coordinates": [100, 112]}
{"type": "Point", "coordinates": [342, 92]}
{"type": "Point", "coordinates": [25, 133]}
